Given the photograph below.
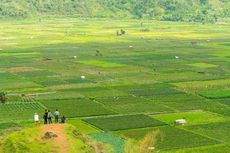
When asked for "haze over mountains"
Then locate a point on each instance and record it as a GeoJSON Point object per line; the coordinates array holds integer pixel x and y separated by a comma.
{"type": "Point", "coordinates": [167, 10]}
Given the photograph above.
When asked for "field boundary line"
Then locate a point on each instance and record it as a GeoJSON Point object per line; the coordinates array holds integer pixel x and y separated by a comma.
{"type": "Point", "coordinates": [221, 141]}
{"type": "Point", "coordinates": [104, 106]}
{"type": "Point", "coordinates": [196, 147]}
{"type": "Point", "coordinates": [152, 100]}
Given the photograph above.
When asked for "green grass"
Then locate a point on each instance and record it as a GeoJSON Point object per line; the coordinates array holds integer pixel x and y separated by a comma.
{"type": "Point", "coordinates": [36, 74]}
{"type": "Point", "coordinates": [215, 130]}
{"type": "Point", "coordinates": [77, 107]}
{"type": "Point", "coordinates": [123, 122]}
{"type": "Point", "coordinates": [18, 85]}
{"type": "Point", "coordinates": [220, 148]}
{"type": "Point", "coordinates": [24, 141]}
{"type": "Point", "coordinates": [143, 79]}
{"type": "Point", "coordinates": [19, 111]}
{"type": "Point", "coordinates": [29, 140]}
{"type": "Point", "coordinates": [4, 126]}
{"type": "Point", "coordinates": [217, 93]}
{"type": "Point", "coordinates": [103, 64]}
{"type": "Point", "coordinates": [109, 138]}
{"type": "Point", "coordinates": [195, 86]}
{"type": "Point", "coordinates": [83, 127]}
{"type": "Point", "coordinates": [203, 65]}
{"type": "Point", "coordinates": [225, 101]}
{"type": "Point", "coordinates": [192, 118]}
{"type": "Point", "coordinates": [132, 104]}
{"type": "Point", "coordinates": [169, 137]}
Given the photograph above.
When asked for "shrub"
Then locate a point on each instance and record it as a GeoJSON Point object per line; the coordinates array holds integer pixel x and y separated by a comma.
{"type": "Point", "coordinates": [3, 97]}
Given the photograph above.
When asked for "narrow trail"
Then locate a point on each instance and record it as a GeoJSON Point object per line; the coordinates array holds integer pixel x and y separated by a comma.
{"type": "Point", "coordinates": [61, 141]}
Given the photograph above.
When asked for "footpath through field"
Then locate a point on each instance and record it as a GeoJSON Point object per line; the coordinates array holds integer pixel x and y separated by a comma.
{"type": "Point", "coordinates": [61, 141]}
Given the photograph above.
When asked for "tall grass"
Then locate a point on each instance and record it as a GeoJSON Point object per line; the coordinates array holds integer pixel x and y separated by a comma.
{"type": "Point", "coordinates": [145, 145]}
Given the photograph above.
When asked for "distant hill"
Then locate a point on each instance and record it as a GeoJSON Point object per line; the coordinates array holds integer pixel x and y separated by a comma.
{"type": "Point", "coordinates": [169, 10]}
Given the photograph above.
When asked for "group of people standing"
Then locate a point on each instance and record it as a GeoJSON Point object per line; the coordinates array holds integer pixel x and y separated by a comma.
{"type": "Point", "coordinates": [48, 116]}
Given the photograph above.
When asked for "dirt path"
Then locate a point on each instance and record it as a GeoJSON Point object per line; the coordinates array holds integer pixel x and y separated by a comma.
{"type": "Point", "coordinates": [61, 141]}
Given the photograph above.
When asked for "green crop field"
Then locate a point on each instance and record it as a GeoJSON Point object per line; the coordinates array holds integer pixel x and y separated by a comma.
{"type": "Point", "coordinates": [170, 137]}
{"type": "Point", "coordinates": [124, 122]}
{"type": "Point", "coordinates": [192, 118]}
{"type": "Point", "coordinates": [19, 111]}
{"type": "Point", "coordinates": [215, 130]}
{"type": "Point", "coordinates": [215, 93]}
{"type": "Point", "coordinates": [133, 84]}
{"type": "Point", "coordinates": [77, 107]}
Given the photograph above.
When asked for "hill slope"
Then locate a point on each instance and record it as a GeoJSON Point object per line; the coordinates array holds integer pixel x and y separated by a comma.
{"type": "Point", "coordinates": [171, 10]}
{"type": "Point", "coordinates": [32, 140]}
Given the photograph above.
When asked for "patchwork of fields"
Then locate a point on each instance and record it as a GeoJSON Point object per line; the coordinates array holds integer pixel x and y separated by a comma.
{"type": "Point", "coordinates": [134, 84]}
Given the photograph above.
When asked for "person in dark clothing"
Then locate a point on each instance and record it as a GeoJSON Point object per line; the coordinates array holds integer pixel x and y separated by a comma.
{"type": "Point", "coordinates": [63, 119]}
{"type": "Point", "coordinates": [45, 117]}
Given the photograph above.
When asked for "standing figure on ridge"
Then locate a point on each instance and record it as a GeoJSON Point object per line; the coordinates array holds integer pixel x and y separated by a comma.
{"type": "Point", "coordinates": [49, 117]}
{"type": "Point", "coordinates": [45, 117]}
{"type": "Point", "coordinates": [56, 115]}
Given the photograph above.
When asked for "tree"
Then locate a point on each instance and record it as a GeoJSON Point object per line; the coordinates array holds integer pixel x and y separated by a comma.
{"type": "Point", "coordinates": [3, 97]}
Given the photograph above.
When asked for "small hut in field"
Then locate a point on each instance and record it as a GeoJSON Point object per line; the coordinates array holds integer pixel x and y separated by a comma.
{"type": "Point", "coordinates": [180, 122]}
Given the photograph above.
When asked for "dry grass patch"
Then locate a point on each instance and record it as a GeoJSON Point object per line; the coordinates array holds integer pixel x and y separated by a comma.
{"type": "Point", "coordinates": [20, 69]}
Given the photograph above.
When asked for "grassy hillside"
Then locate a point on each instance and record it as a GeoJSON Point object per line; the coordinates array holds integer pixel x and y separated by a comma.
{"type": "Point", "coordinates": [134, 83]}
{"type": "Point", "coordinates": [170, 10]}
{"type": "Point", "coordinates": [33, 140]}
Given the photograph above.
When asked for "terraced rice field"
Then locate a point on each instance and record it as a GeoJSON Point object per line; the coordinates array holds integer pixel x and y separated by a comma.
{"type": "Point", "coordinates": [134, 84]}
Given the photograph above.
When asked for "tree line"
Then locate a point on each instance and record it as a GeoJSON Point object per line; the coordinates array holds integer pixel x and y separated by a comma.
{"type": "Point", "coordinates": [166, 10]}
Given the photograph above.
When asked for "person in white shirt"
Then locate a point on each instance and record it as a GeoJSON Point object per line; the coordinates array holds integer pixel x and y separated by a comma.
{"type": "Point", "coordinates": [36, 118]}
{"type": "Point", "coordinates": [49, 117]}
{"type": "Point", "coordinates": [56, 115]}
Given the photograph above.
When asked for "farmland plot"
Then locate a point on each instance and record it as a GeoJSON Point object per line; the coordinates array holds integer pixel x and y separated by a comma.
{"type": "Point", "coordinates": [124, 122]}
{"type": "Point", "coordinates": [77, 107]}
{"type": "Point", "coordinates": [169, 137]}
{"type": "Point", "coordinates": [213, 94]}
{"type": "Point", "coordinates": [19, 111]}
{"type": "Point", "coordinates": [132, 104]}
{"type": "Point", "coordinates": [4, 126]}
{"type": "Point", "coordinates": [192, 118]}
{"type": "Point", "coordinates": [215, 130]}
{"type": "Point", "coordinates": [178, 69]}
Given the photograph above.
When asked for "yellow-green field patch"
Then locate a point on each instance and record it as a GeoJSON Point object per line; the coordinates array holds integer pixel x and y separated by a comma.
{"type": "Point", "coordinates": [83, 127]}
{"type": "Point", "coordinates": [168, 137]}
{"type": "Point", "coordinates": [20, 69]}
{"type": "Point", "coordinates": [20, 54]}
{"type": "Point", "coordinates": [192, 118]}
{"type": "Point", "coordinates": [103, 64]}
{"type": "Point", "coordinates": [203, 65]}
{"type": "Point", "coordinates": [215, 93]}
{"type": "Point", "coordinates": [194, 86]}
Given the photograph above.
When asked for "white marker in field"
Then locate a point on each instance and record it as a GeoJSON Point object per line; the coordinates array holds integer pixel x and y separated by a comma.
{"type": "Point", "coordinates": [82, 77]}
{"type": "Point", "coordinates": [1, 49]}
{"type": "Point", "coordinates": [180, 122]}
{"type": "Point", "coordinates": [130, 46]}
{"type": "Point", "coordinates": [75, 57]}
{"type": "Point", "coordinates": [176, 57]}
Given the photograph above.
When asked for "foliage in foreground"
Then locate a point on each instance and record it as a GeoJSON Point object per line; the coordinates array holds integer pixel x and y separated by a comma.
{"type": "Point", "coordinates": [24, 141]}
{"type": "Point", "coordinates": [146, 145]}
